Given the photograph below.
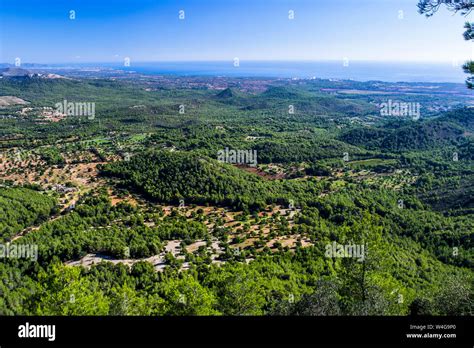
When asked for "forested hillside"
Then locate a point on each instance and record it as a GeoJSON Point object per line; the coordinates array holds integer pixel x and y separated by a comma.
{"type": "Point", "coordinates": [344, 211]}
{"type": "Point", "coordinates": [173, 176]}
{"type": "Point", "coordinates": [399, 136]}
{"type": "Point", "coordinates": [20, 208]}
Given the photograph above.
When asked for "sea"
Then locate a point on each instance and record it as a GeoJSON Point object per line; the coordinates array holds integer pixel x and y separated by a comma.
{"type": "Point", "coordinates": [345, 70]}
{"type": "Point", "coordinates": [357, 70]}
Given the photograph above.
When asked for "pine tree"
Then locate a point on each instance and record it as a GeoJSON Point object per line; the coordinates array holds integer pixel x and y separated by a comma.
{"type": "Point", "coordinates": [430, 7]}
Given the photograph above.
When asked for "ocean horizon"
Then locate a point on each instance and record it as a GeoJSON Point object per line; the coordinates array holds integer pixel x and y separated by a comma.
{"type": "Point", "coordinates": [352, 70]}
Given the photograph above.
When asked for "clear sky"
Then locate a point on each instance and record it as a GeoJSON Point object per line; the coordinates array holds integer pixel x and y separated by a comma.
{"type": "Point", "coordinates": [40, 31]}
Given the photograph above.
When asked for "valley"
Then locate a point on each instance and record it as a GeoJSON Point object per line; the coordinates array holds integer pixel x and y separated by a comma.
{"type": "Point", "coordinates": [136, 202]}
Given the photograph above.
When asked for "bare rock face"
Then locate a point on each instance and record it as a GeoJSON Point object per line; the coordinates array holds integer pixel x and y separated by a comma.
{"type": "Point", "coordinates": [10, 100]}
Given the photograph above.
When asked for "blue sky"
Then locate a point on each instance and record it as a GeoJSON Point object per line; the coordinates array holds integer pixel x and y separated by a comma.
{"type": "Point", "coordinates": [40, 31]}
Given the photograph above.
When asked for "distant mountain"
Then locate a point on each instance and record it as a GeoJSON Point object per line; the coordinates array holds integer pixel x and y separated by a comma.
{"type": "Point", "coordinates": [226, 94]}
{"type": "Point", "coordinates": [14, 72]}
{"type": "Point", "coordinates": [20, 72]}
{"type": "Point", "coordinates": [25, 65]}
{"type": "Point", "coordinates": [231, 96]}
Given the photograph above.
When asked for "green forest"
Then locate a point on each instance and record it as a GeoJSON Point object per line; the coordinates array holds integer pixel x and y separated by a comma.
{"type": "Point", "coordinates": [133, 213]}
